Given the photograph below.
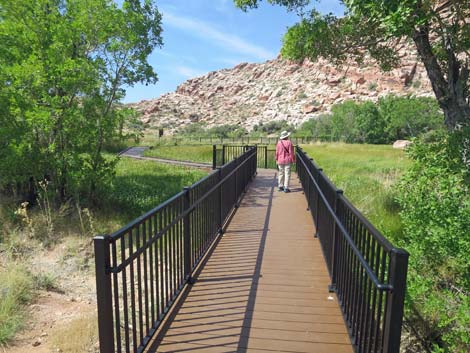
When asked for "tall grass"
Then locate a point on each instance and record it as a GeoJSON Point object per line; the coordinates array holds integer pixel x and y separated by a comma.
{"type": "Point", "coordinates": [137, 187]}
{"type": "Point", "coordinates": [16, 285]}
{"type": "Point", "coordinates": [196, 153]}
{"type": "Point", "coordinates": [78, 336]}
{"type": "Point", "coordinates": [366, 173]}
{"type": "Point", "coordinates": [140, 186]}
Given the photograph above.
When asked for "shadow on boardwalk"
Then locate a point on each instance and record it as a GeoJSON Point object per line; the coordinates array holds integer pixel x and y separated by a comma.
{"type": "Point", "coordinates": [263, 287]}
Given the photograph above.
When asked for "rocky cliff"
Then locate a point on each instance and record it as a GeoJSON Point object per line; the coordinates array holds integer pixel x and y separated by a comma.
{"type": "Point", "coordinates": [279, 90]}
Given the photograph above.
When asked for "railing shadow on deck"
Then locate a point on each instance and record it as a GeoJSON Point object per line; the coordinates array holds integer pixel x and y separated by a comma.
{"type": "Point", "coordinates": [237, 291]}
{"type": "Point", "coordinates": [142, 269]}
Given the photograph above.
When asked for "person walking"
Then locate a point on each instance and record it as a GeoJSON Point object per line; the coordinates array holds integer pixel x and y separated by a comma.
{"type": "Point", "coordinates": [285, 156]}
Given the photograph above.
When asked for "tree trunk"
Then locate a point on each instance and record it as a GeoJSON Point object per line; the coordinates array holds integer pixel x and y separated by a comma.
{"type": "Point", "coordinates": [451, 101]}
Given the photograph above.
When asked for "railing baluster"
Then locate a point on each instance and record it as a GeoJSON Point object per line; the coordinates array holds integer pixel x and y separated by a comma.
{"type": "Point", "coordinates": [158, 252]}
{"type": "Point", "coordinates": [124, 296]}
{"type": "Point", "coordinates": [394, 314]}
{"type": "Point", "coordinates": [103, 290]}
{"type": "Point", "coordinates": [139, 287]}
{"type": "Point", "coordinates": [360, 264]}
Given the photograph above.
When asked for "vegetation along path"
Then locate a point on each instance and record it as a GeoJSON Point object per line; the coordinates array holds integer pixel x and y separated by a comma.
{"type": "Point", "coordinates": [265, 286]}
{"type": "Point", "coordinates": [137, 153]}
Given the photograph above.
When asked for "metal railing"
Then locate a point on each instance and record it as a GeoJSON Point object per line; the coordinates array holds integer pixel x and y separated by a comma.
{"type": "Point", "coordinates": [265, 155]}
{"type": "Point", "coordinates": [142, 268]}
{"type": "Point", "coordinates": [367, 273]}
{"type": "Point", "coordinates": [243, 141]}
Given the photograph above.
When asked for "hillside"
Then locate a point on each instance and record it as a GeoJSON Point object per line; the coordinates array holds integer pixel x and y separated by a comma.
{"type": "Point", "coordinates": [279, 89]}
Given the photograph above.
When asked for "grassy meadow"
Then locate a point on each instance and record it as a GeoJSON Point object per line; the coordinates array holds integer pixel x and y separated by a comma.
{"type": "Point", "coordinates": [140, 186]}
{"type": "Point", "coordinates": [192, 153]}
{"type": "Point", "coordinates": [366, 173]}
{"type": "Point", "coordinates": [137, 187]}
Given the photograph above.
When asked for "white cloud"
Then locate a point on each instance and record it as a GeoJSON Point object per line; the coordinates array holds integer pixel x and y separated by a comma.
{"type": "Point", "coordinates": [188, 72]}
{"type": "Point", "coordinates": [206, 31]}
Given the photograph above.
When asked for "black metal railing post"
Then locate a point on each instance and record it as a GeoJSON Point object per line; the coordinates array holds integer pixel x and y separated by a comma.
{"type": "Point", "coordinates": [104, 293]}
{"type": "Point", "coordinates": [308, 195]}
{"type": "Point", "coordinates": [220, 213]}
{"type": "Point", "coordinates": [317, 230]}
{"type": "Point", "coordinates": [223, 154]}
{"type": "Point", "coordinates": [187, 236]}
{"type": "Point", "coordinates": [266, 157]}
{"type": "Point", "coordinates": [395, 301]}
{"type": "Point", "coordinates": [236, 184]}
{"type": "Point", "coordinates": [214, 156]}
{"type": "Point", "coordinates": [334, 246]}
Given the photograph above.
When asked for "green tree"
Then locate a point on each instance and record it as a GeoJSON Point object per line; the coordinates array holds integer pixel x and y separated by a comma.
{"type": "Point", "coordinates": [273, 127]}
{"type": "Point", "coordinates": [408, 117]}
{"type": "Point", "coordinates": [63, 66]}
{"type": "Point", "coordinates": [343, 122]}
{"type": "Point", "coordinates": [438, 30]}
{"type": "Point", "coordinates": [434, 196]}
{"type": "Point", "coordinates": [371, 124]}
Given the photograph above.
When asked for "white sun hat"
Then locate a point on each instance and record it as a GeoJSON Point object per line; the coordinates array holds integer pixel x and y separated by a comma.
{"type": "Point", "coordinates": [284, 135]}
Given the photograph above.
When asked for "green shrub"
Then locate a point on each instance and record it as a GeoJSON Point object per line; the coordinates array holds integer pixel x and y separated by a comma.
{"type": "Point", "coordinates": [16, 286]}
{"type": "Point", "coordinates": [408, 117]}
{"type": "Point", "coordinates": [273, 127]}
{"type": "Point", "coordinates": [392, 118]}
{"type": "Point", "coordinates": [343, 122]}
{"type": "Point", "coordinates": [194, 129]}
{"type": "Point", "coordinates": [370, 124]}
{"type": "Point", "coordinates": [319, 128]}
{"type": "Point", "coordinates": [434, 196]}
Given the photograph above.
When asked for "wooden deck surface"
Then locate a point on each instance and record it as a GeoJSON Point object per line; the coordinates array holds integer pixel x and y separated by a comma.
{"type": "Point", "coordinates": [264, 288]}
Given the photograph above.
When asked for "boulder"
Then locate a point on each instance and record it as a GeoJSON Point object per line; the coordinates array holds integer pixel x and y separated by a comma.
{"type": "Point", "coordinates": [309, 108]}
{"type": "Point", "coordinates": [145, 120]}
{"type": "Point", "coordinates": [360, 81]}
{"type": "Point", "coordinates": [401, 144]}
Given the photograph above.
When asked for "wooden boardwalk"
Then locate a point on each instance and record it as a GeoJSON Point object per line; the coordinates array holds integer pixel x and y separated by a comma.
{"type": "Point", "coordinates": [264, 287]}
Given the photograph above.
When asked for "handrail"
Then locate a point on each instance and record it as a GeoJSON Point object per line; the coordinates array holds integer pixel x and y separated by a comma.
{"type": "Point", "coordinates": [175, 220]}
{"type": "Point", "coordinates": [367, 273]}
{"type": "Point", "coordinates": [142, 268]}
{"type": "Point", "coordinates": [119, 233]}
{"type": "Point", "coordinates": [370, 272]}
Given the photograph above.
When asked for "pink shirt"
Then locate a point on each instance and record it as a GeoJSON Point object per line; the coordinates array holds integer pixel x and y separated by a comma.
{"type": "Point", "coordinates": [285, 152]}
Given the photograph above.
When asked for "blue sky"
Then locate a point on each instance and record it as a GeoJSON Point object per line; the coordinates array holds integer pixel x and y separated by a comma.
{"type": "Point", "coordinates": [206, 35]}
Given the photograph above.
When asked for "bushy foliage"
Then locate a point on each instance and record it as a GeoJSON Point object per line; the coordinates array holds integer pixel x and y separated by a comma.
{"type": "Point", "coordinates": [194, 129]}
{"type": "Point", "coordinates": [273, 127]}
{"type": "Point", "coordinates": [434, 196]}
{"type": "Point", "coordinates": [225, 131]}
{"type": "Point", "coordinates": [221, 131]}
{"type": "Point", "coordinates": [392, 118]}
{"type": "Point", "coordinates": [410, 116]}
{"type": "Point", "coordinates": [63, 66]}
{"type": "Point", "coordinates": [319, 128]}
{"type": "Point", "coordinates": [16, 287]}
{"type": "Point", "coordinates": [343, 121]}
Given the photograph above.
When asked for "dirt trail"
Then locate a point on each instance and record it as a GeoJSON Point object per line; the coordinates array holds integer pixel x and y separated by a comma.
{"type": "Point", "coordinates": [73, 296]}
{"type": "Point", "coordinates": [49, 312]}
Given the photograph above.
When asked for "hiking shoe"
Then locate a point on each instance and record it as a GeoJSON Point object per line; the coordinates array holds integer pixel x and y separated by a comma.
{"type": "Point", "coordinates": [280, 188]}
{"type": "Point", "coordinates": [286, 190]}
